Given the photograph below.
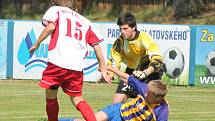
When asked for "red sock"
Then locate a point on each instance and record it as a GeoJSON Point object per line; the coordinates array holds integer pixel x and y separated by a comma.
{"type": "Point", "coordinates": [86, 111]}
{"type": "Point", "coordinates": [52, 109]}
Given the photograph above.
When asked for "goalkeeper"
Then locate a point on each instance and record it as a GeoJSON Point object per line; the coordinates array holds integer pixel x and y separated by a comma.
{"type": "Point", "coordinates": [139, 52]}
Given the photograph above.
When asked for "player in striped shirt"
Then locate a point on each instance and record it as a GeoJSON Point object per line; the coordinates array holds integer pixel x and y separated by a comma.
{"type": "Point", "coordinates": [149, 105]}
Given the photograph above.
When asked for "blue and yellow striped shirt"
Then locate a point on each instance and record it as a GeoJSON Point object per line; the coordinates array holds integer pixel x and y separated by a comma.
{"type": "Point", "coordinates": [137, 110]}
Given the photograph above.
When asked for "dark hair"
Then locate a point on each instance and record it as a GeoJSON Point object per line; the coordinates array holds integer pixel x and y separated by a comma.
{"type": "Point", "coordinates": [127, 18]}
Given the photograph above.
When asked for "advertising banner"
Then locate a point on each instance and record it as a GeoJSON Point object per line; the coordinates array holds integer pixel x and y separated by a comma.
{"type": "Point", "coordinates": [3, 48]}
{"type": "Point", "coordinates": [31, 66]}
{"type": "Point", "coordinates": [177, 39]}
{"type": "Point", "coordinates": [27, 66]}
{"type": "Point", "coordinates": [109, 32]}
{"type": "Point", "coordinates": [204, 74]}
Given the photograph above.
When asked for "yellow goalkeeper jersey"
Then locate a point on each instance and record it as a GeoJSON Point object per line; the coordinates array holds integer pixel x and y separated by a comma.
{"type": "Point", "coordinates": [130, 52]}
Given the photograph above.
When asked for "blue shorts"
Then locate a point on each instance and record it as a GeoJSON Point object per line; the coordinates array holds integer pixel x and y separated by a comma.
{"type": "Point", "coordinates": [113, 112]}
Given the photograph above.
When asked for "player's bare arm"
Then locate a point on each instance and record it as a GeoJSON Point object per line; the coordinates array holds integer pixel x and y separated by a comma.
{"type": "Point", "coordinates": [101, 61]}
{"type": "Point", "coordinates": [122, 75]}
{"type": "Point", "coordinates": [44, 34]}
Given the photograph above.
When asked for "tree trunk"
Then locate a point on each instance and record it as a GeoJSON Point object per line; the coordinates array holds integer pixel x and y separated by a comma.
{"type": "Point", "coordinates": [185, 8]}
{"type": "Point", "coordinates": [116, 8]}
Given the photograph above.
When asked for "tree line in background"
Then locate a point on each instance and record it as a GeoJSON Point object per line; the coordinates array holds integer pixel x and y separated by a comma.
{"type": "Point", "coordinates": [12, 9]}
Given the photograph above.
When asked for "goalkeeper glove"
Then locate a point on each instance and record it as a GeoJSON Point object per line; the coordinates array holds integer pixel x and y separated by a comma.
{"type": "Point", "coordinates": [140, 74]}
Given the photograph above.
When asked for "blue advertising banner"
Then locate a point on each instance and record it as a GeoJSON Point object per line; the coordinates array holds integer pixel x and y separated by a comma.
{"type": "Point", "coordinates": [3, 48]}
{"type": "Point", "coordinates": [204, 67]}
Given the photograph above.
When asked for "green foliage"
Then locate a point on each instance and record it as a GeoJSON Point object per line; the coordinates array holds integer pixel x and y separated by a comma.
{"type": "Point", "coordinates": [148, 13]}
{"type": "Point", "coordinates": [8, 12]}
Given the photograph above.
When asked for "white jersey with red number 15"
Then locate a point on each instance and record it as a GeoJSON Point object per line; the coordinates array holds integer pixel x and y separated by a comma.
{"type": "Point", "coordinates": [68, 45]}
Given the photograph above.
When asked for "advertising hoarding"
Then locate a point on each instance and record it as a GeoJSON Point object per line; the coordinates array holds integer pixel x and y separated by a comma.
{"type": "Point", "coordinates": [204, 68]}
{"type": "Point", "coordinates": [3, 48]}
{"type": "Point", "coordinates": [27, 66]}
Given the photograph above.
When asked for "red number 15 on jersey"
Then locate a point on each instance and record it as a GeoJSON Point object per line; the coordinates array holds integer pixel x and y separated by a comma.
{"type": "Point", "coordinates": [77, 34]}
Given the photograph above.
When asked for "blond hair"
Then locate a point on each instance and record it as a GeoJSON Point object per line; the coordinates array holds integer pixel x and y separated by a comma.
{"type": "Point", "coordinates": [158, 87]}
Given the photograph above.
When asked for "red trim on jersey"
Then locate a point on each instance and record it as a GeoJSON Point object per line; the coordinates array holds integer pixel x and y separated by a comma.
{"type": "Point", "coordinates": [91, 37]}
{"type": "Point", "coordinates": [55, 35]}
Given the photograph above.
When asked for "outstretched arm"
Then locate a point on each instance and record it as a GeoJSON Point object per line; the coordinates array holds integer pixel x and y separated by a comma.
{"type": "Point", "coordinates": [44, 34]}
{"type": "Point", "coordinates": [122, 75]}
{"type": "Point", "coordinates": [101, 62]}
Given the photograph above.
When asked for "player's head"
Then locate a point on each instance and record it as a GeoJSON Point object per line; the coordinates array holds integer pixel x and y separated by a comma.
{"type": "Point", "coordinates": [157, 91]}
{"type": "Point", "coordinates": [127, 25]}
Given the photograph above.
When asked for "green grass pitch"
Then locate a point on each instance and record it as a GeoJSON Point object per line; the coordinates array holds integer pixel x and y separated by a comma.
{"type": "Point", "coordinates": [25, 101]}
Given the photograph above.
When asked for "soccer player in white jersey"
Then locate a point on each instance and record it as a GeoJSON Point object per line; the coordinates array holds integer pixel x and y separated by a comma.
{"type": "Point", "coordinates": [70, 34]}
